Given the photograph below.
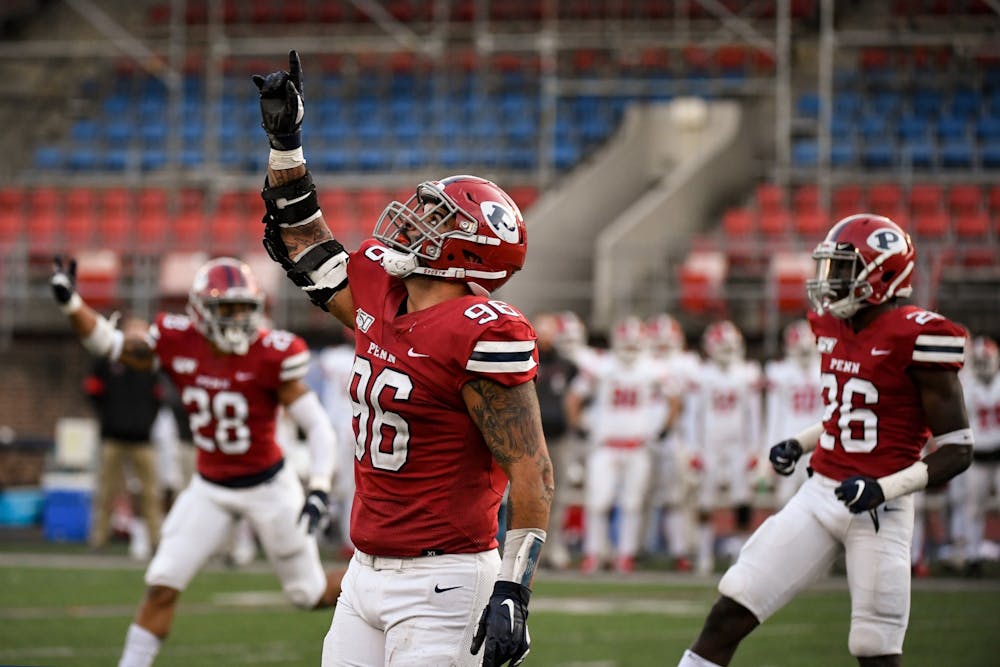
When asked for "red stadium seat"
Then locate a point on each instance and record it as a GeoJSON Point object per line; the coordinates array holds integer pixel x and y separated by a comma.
{"type": "Point", "coordinates": [115, 230]}
{"type": "Point", "coordinates": [187, 230]}
{"type": "Point", "coordinates": [97, 276]}
{"type": "Point", "coordinates": [963, 199]}
{"type": "Point", "coordinates": [972, 226]}
{"type": "Point", "coordinates": [884, 197]}
{"type": "Point", "coordinates": [770, 197]}
{"type": "Point", "coordinates": [931, 225]}
{"type": "Point", "coordinates": [925, 198]}
{"type": "Point", "coordinates": [993, 198]}
{"type": "Point", "coordinates": [152, 200]}
{"type": "Point", "coordinates": [812, 225]}
{"type": "Point", "coordinates": [152, 230]}
{"type": "Point", "coordinates": [737, 223]}
{"type": "Point", "coordinates": [788, 273]}
{"type": "Point", "coordinates": [11, 225]}
{"type": "Point", "coordinates": [848, 198]}
{"type": "Point", "coordinates": [806, 198]}
{"type": "Point", "coordinates": [774, 223]}
{"type": "Point", "coordinates": [701, 277]}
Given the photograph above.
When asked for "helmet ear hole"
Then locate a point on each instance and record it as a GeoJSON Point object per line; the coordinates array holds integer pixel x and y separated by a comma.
{"type": "Point", "coordinates": [888, 276]}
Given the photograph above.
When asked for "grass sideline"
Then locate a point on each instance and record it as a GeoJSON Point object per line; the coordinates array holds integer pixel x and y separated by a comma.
{"type": "Point", "coordinates": [69, 609]}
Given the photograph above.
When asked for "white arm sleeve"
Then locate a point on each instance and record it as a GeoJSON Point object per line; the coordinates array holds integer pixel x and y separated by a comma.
{"type": "Point", "coordinates": [309, 415]}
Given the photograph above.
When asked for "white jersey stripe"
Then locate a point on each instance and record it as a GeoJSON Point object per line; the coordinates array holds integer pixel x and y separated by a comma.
{"type": "Point", "coordinates": [946, 341]}
{"type": "Point", "coordinates": [500, 366]}
{"type": "Point", "coordinates": [295, 360]}
{"type": "Point", "coordinates": [939, 356]}
{"type": "Point", "coordinates": [504, 346]}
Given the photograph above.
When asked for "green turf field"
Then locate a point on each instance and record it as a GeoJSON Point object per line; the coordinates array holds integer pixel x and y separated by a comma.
{"type": "Point", "coordinates": [73, 610]}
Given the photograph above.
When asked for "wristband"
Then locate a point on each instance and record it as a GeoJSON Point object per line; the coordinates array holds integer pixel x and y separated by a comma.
{"type": "Point", "coordinates": [280, 160]}
{"type": "Point", "coordinates": [907, 480]}
{"type": "Point", "coordinates": [521, 550]}
{"type": "Point", "coordinates": [960, 437]}
{"type": "Point", "coordinates": [74, 304]}
{"type": "Point", "coordinates": [104, 340]}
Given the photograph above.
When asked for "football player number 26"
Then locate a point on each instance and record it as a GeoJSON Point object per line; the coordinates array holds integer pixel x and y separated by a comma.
{"type": "Point", "coordinates": [858, 425]}
{"type": "Point", "coordinates": [228, 409]}
{"type": "Point", "coordinates": [374, 422]}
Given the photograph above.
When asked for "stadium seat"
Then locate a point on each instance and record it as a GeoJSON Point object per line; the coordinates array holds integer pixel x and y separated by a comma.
{"type": "Point", "coordinates": [925, 198]}
{"type": "Point", "coordinates": [957, 153]}
{"type": "Point", "coordinates": [770, 197]}
{"type": "Point", "coordinates": [931, 225]}
{"type": "Point", "coordinates": [811, 224]}
{"type": "Point", "coordinates": [972, 226]}
{"type": "Point", "coordinates": [701, 278]}
{"type": "Point", "coordinates": [993, 198]}
{"type": "Point", "coordinates": [884, 197]}
{"type": "Point", "coordinates": [11, 225]}
{"type": "Point", "coordinates": [788, 272]}
{"type": "Point", "coordinates": [848, 198]}
{"type": "Point", "coordinates": [97, 275]}
{"type": "Point", "coordinates": [774, 223]}
{"type": "Point", "coordinates": [738, 223]}
{"type": "Point", "coordinates": [806, 198]}
{"type": "Point", "coordinates": [964, 199]}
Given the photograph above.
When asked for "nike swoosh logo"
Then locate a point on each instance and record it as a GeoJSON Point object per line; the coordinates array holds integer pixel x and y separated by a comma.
{"type": "Point", "coordinates": [879, 353]}
{"type": "Point", "coordinates": [438, 589]}
{"type": "Point", "coordinates": [861, 489]}
{"type": "Point", "coordinates": [413, 353]}
{"type": "Point", "coordinates": [510, 608]}
{"type": "Point", "coordinates": [243, 377]}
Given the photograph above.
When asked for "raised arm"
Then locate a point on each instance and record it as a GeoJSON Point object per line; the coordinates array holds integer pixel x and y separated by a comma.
{"type": "Point", "coordinates": [296, 234]}
{"type": "Point", "coordinates": [98, 334]}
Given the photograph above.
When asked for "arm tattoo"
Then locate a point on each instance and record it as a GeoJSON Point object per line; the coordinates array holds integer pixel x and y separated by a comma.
{"type": "Point", "coordinates": [299, 239]}
{"type": "Point", "coordinates": [506, 417]}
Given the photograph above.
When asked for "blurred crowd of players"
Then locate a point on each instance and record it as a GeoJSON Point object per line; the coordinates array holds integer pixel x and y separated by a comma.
{"type": "Point", "coordinates": [660, 450]}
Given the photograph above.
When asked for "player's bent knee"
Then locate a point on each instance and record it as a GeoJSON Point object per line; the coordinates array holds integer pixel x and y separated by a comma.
{"type": "Point", "coordinates": [302, 597]}
{"type": "Point", "coordinates": [161, 596]}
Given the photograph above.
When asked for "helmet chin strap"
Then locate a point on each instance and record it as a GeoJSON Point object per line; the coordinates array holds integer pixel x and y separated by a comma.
{"type": "Point", "coordinates": [399, 264]}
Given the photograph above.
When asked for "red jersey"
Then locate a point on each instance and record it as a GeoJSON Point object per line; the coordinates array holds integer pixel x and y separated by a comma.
{"type": "Point", "coordinates": [425, 480]}
{"type": "Point", "coordinates": [874, 423]}
{"type": "Point", "coordinates": [231, 399]}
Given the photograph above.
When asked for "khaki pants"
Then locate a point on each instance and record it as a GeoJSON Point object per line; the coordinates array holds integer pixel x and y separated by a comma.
{"type": "Point", "coordinates": [115, 454]}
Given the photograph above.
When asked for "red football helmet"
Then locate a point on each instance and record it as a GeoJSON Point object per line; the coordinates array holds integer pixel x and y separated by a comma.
{"type": "Point", "coordinates": [864, 260]}
{"type": "Point", "coordinates": [984, 358]}
{"type": "Point", "coordinates": [226, 305]}
{"type": "Point", "coordinates": [799, 341]}
{"type": "Point", "coordinates": [665, 333]}
{"type": "Point", "coordinates": [459, 228]}
{"type": "Point", "coordinates": [723, 342]}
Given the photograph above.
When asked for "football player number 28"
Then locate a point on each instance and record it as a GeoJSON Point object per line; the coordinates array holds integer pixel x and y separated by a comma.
{"type": "Point", "coordinates": [374, 422]}
{"type": "Point", "coordinates": [858, 425]}
{"type": "Point", "coordinates": [228, 409]}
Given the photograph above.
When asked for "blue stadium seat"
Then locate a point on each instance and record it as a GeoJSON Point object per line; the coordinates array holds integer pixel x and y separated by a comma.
{"type": "Point", "coordinates": [873, 126]}
{"type": "Point", "coordinates": [805, 153]}
{"type": "Point", "coordinates": [952, 127]}
{"type": "Point", "coordinates": [119, 134]}
{"type": "Point", "coordinates": [152, 159]}
{"type": "Point", "coordinates": [48, 158]}
{"type": "Point", "coordinates": [842, 154]}
{"type": "Point", "coordinates": [807, 105]}
{"type": "Point", "coordinates": [82, 158]}
{"type": "Point", "coordinates": [919, 153]}
{"type": "Point", "coordinates": [878, 153]}
{"type": "Point", "coordinates": [846, 104]}
{"type": "Point", "coordinates": [958, 153]}
{"type": "Point", "coordinates": [989, 154]}
{"type": "Point", "coordinates": [566, 155]}
{"type": "Point", "coordinates": [988, 128]}
{"type": "Point", "coordinates": [927, 102]}
{"type": "Point", "coordinates": [885, 102]}
{"type": "Point", "coordinates": [84, 131]}
{"type": "Point", "coordinates": [912, 127]}
{"type": "Point", "coordinates": [114, 159]}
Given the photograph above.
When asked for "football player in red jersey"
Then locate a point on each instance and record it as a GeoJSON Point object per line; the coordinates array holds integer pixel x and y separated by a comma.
{"type": "Point", "coordinates": [445, 410]}
{"type": "Point", "coordinates": [889, 373]}
{"type": "Point", "coordinates": [232, 374]}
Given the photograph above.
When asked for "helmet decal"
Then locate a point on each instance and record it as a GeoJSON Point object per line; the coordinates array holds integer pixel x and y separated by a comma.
{"type": "Point", "coordinates": [501, 220]}
{"type": "Point", "coordinates": [886, 240]}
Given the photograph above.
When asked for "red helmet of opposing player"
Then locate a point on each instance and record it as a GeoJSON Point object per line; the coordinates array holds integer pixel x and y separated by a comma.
{"type": "Point", "coordinates": [864, 260]}
{"type": "Point", "coordinates": [723, 342]}
{"type": "Point", "coordinates": [984, 358]}
{"type": "Point", "coordinates": [226, 305]}
{"type": "Point", "coordinates": [460, 228]}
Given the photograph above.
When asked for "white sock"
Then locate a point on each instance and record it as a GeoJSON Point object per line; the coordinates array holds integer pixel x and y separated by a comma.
{"type": "Point", "coordinates": [690, 659]}
{"type": "Point", "coordinates": [141, 647]}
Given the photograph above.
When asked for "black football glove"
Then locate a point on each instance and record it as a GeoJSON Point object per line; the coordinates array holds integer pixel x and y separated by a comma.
{"type": "Point", "coordinates": [315, 511]}
{"type": "Point", "coordinates": [63, 280]}
{"type": "Point", "coordinates": [860, 494]}
{"type": "Point", "coordinates": [503, 627]}
{"type": "Point", "coordinates": [784, 455]}
{"type": "Point", "coordinates": [281, 106]}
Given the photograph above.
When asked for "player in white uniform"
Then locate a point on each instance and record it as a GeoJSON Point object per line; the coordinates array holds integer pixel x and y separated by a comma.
{"type": "Point", "coordinates": [793, 401]}
{"type": "Point", "coordinates": [623, 389]}
{"type": "Point", "coordinates": [724, 409]}
{"type": "Point", "coordinates": [672, 498]}
{"type": "Point", "coordinates": [982, 400]}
